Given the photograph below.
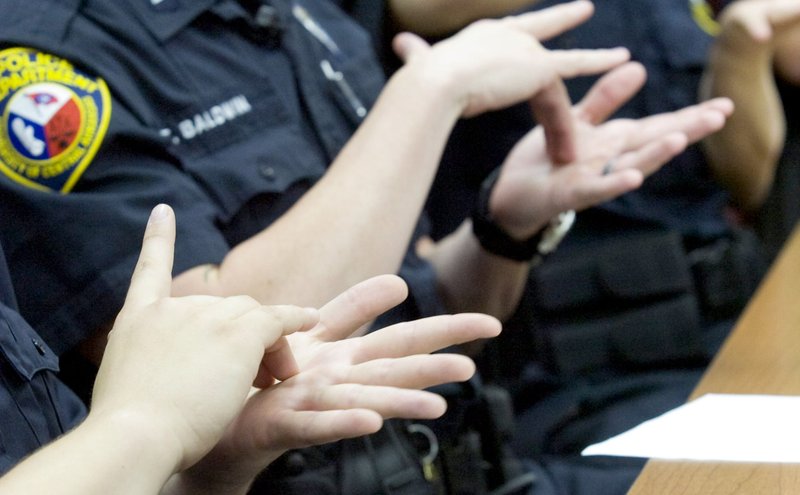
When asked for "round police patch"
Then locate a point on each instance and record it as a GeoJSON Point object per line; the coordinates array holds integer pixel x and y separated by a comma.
{"type": "Point", "coordinates": [54, 118]}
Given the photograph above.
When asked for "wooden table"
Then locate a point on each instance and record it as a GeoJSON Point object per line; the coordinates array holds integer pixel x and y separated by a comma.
{"type": "Point", "coordinates": [761, 356]}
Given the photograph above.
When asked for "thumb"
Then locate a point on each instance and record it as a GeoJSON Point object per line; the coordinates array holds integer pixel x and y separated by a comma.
{"type": "Point", "coordinates": [152, 277]}
{"type": "Point", "coordinates": [408, 46]}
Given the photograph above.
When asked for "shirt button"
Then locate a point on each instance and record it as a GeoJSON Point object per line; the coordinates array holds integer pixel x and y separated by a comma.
{"type": "Point", "coordinates": [267, 172]}
{"type": "Point", "coordinates": [295, 463]}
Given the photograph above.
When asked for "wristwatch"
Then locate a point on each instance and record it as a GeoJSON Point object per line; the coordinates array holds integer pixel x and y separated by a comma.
{"type": "Point", "coordinates": [495, 240]}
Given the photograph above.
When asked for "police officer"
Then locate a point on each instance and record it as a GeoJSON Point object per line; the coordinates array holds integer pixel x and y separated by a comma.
{"type": "Point", "coordinates": [672, 40]}
{"type": "Point", "coordinates": [624, 316]}
{"type": "Point", "coordinates": [231, 112]}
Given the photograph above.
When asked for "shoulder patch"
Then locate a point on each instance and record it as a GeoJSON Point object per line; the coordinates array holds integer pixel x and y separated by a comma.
{"type": "Point", "coordinates": [703, 15]}
{"type": "Point", "coordinates": [54, 118]}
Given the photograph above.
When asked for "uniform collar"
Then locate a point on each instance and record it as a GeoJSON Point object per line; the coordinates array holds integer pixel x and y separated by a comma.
{"type": "Point", "coordinates": [164, 18]}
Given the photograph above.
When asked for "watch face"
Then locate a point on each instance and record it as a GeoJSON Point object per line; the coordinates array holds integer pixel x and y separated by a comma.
{"type": "Point", "coordinates": [554, 233]}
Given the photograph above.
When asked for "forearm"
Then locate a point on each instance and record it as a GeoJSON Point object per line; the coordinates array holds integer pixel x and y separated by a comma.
{"type": "Point", "coordinates": [472, 280]}
{"type": "Point", "coordinates": [437, 17]}
{"type": "Point", "coordinates": [114, 454]}
{"type": "Point", "coordinates": [357, 221]}
{"type": "Point", "coordinates": [744, 154]}
{"type": "Point", "coordinates": [787, 63]}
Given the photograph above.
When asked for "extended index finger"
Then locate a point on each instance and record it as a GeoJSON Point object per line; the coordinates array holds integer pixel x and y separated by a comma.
{"type": "Point", "coordinates": [552, 109]}
{"type": "Point", "coordinates": [152, 277]}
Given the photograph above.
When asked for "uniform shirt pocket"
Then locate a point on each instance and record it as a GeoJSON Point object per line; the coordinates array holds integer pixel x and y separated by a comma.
{"type": "Point", "coordinates": [22, 347]}
{"type": "Point", "coordinates": [34, 408]}
{"type": "Point", "coordinates": [238, 145]}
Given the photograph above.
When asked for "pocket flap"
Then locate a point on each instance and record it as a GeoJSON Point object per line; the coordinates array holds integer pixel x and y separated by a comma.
{"type": "Point", "coordinates": [641, 266]}
{"type": "Point", "coordinates": [648, 266]}
{"type": "Point", "coordinates": [23, 347]}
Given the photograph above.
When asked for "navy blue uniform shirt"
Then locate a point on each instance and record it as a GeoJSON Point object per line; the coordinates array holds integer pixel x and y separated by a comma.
{"type": "Point", "coordinates": [219, 109]}
{"type": "Point", "coordinates": [35, 407]}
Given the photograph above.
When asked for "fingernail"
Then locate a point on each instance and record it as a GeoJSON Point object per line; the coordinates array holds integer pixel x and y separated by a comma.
{"type": "Point", "coordinates": [158, 214]}
{"type": "Point", "coordinates": [621, 51]}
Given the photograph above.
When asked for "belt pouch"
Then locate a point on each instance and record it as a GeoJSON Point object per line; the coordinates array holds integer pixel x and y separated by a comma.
{"type": "Point", "coordinates": [620, 303]}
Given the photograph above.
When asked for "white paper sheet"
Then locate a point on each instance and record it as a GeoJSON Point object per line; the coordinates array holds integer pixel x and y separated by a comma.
{"type": "Point", "coordinates": [716, 427]}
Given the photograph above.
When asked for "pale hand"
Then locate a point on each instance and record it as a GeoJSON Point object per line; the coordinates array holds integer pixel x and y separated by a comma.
{"type": "Point", "coordinates": [532, 189]}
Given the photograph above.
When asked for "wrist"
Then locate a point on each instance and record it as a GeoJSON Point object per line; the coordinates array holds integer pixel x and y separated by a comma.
{"type": "Point", "coordinates": [496, 240]}
{"type": "Point", "coordinates": [740, 55]}
{"type": "Point", "coordinates": [737, 36]}
{"type": "Point", "coordinates": [140, 450]}
{"type": "Point", "coordinates": [228, 469]}
{"type": "Point", "coordinates": [436, 82]}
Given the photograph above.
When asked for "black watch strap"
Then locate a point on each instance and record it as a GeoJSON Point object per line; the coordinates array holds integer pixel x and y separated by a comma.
{"type": "Point", "coordinates": [495, 240]}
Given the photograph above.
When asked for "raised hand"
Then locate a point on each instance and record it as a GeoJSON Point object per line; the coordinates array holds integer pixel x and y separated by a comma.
{"type": "Point", "coordinates": [346, 386]}
{"type": "Point", "coordinates": [611, 158]}
{"type": "Point", "coordinates": [492, 64]}
{"type": "Point", "coordinates": [758, 24]}
{"type": "Point", "coordinates": [175, 374]}
{"type": "Point", "coordinates": [186, 365]}
{"type": "Point", "coordinates": [757, 37]}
